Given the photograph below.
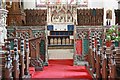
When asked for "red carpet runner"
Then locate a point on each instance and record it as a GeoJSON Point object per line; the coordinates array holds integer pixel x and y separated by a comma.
{"type": "Point", "coordinates": [63, 69]}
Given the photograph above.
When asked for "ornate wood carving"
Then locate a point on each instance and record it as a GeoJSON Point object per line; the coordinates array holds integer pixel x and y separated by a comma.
{"type": "Point", "coordinates": [117, 15]}
{"type": "Point", "coordinates": [8, 63]}
{"type": "Point", "coordinates": [27, 57]}
{"type": "Point", "coordinates": [37, 52]}
{"type": "Point", "coordinates": [84, 33]}
{"type": "Point", "coordinates": [36, 35]}
{"type": "Point", "coordinates": [90, 17]}
{"type": "Point", "coordinates": [62, 14]}
{"type": "Point", "coordinates": [20, 67]}
{"type": "Point", "coordinates": [23, 31]}
{"type": "Point", "coordinates": [16, 15]}
{"type": "Point", "coordinates": [22, 55]}
{"type": "Point", "coordinates": [98, 59]}
{"type": "Point", "coordinates": [16, 60]}
{"type": "Point", "coordinates": [36, 17]}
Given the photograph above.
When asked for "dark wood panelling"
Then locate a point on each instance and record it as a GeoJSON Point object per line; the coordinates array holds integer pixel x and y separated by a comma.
{"type": "Point", "coordinates": [117, 15]}
{"type": "Point", "coordinates": [36, 17]}
{"type": "Point", "coordinates": [16, 15]}
{"type": "Point", "coordinates": [90, 17]}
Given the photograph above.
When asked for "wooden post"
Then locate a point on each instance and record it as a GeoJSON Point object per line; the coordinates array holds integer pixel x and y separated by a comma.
{"type": "Point", "coordinates": [98, 62]}
{"type": "Point", "coordinates": [113, 70]}
{"type": "Point", "coordinates": [90, 49]}
{"type": "Point", "coordinates": [104, 65]}
{"type": "Point", "coordinates": [113, 63]}
{"type": "Point", "coordinates": [22, 54]}
{"type": "Point", "coordinates": [16, 60]}
{"type": "Point", "coordinates": [8, 64]}
{"type": "Point", "coordinates": [93, 54]}
{"type": "Point", "coordinates": [27, 58]}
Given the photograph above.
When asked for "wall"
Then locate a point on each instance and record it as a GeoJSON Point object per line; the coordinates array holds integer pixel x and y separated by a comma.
{"type": "Point", "coordinates": [95, 4]}
{"type": "Point", "coordinates": [106, 4]}
{"type": "Point", "coordinates": [30, 4]}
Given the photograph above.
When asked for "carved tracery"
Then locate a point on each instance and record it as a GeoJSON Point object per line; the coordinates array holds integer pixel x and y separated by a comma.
{"type": "Point", "coordinates": [62, 13]}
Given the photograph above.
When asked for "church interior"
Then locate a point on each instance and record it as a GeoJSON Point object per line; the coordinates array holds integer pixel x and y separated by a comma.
{"type": "Point", "coordinates": [60, 39]}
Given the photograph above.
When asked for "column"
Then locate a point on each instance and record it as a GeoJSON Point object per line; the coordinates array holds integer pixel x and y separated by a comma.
{"type": "Point", "coordinates": [3, 30]}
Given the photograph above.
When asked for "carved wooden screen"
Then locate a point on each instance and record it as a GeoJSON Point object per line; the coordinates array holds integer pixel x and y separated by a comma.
{"type": "Point", "coordinates": [117, 14]}
{"type": "Point", "coordinates": [36, 17]}
{"type": "Point", "coordinates": [84, 33]}
{"type": "Point", "coordinates": [91, 17]}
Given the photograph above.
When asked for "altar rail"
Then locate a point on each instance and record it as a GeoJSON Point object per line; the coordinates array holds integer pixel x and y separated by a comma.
{"type": "Point", "coordinates": [83, 33]}
{"type": "Point", "coordinates": [37, 42]}
{"type": "Point", "coordinates": [104, 61]}
{"type": "Point", "coordinates": [15, 63]}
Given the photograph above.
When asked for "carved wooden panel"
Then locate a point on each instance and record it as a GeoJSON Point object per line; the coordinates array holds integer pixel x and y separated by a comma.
{"type": "Point", "coordinates": [90, 17]}
{"type": "Point", "coordinates": [16, 15]}
{"type": "Point", "coordinates": [26, 31]}
{"type": "Point", "coordinates": [62, 14]}
{"type": "Point", "coordinates": [117, 15]}
{"type": "Point", "coordinates": [36, 17]}
{"type": "Point", "coordinates": [84, 33]}
{"type": "Point", "coordinates": [36, 35]}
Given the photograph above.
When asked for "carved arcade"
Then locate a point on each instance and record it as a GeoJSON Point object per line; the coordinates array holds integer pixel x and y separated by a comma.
{"type": "Point", "coordinates": [62, 14]}
{"type": "Point", "coordinates": [3, 31]}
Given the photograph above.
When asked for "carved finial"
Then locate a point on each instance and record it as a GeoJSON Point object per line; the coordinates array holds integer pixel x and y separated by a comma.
{"type": "Point", "coordinates": [93, 43]}
{"type": "Point", "coordinates": [16, 56]}
{"type": "Point", "coordinates": [27, 44]}
{"type": "Point", "coordinates": [98, 44]}
{"type": "Point", "coordinates": [8, 55]}
{"type": "Point", "coordinates": [22, 46]}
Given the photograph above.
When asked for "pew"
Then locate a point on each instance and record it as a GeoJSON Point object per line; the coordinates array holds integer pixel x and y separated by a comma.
{"type": "Point", "coordinates": [16, 61]}
{"type": "Point", "coordinates": [22, 56]}
{"type": "Point", "coordinates": [102, 62]}
{"type": "Point", "coordinates": [8, 63]}
{"type": "Point", "coordinates": [93, 54]}
{"type": "Point", "coordinates": [35, 34]}
{"type": "Point", "coordinates": [37, 60]}
{"type": "Point", "coordinates": [98, 60]}
{"type": "Point", "coordinates": [105, 65]}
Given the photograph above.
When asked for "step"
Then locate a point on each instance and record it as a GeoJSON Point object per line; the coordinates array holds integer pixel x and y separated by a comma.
{"type": "Point", "coordinates": [31, 71]}
{"type": "Point", "coordinates": [82, 63]}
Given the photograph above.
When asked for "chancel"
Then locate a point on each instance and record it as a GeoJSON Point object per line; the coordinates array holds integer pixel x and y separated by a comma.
{"type": "Point", "coordinates": [60, 39]}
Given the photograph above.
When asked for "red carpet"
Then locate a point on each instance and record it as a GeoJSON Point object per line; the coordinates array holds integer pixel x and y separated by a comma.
{"type": "Point", "coordinates": [63, 69]}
